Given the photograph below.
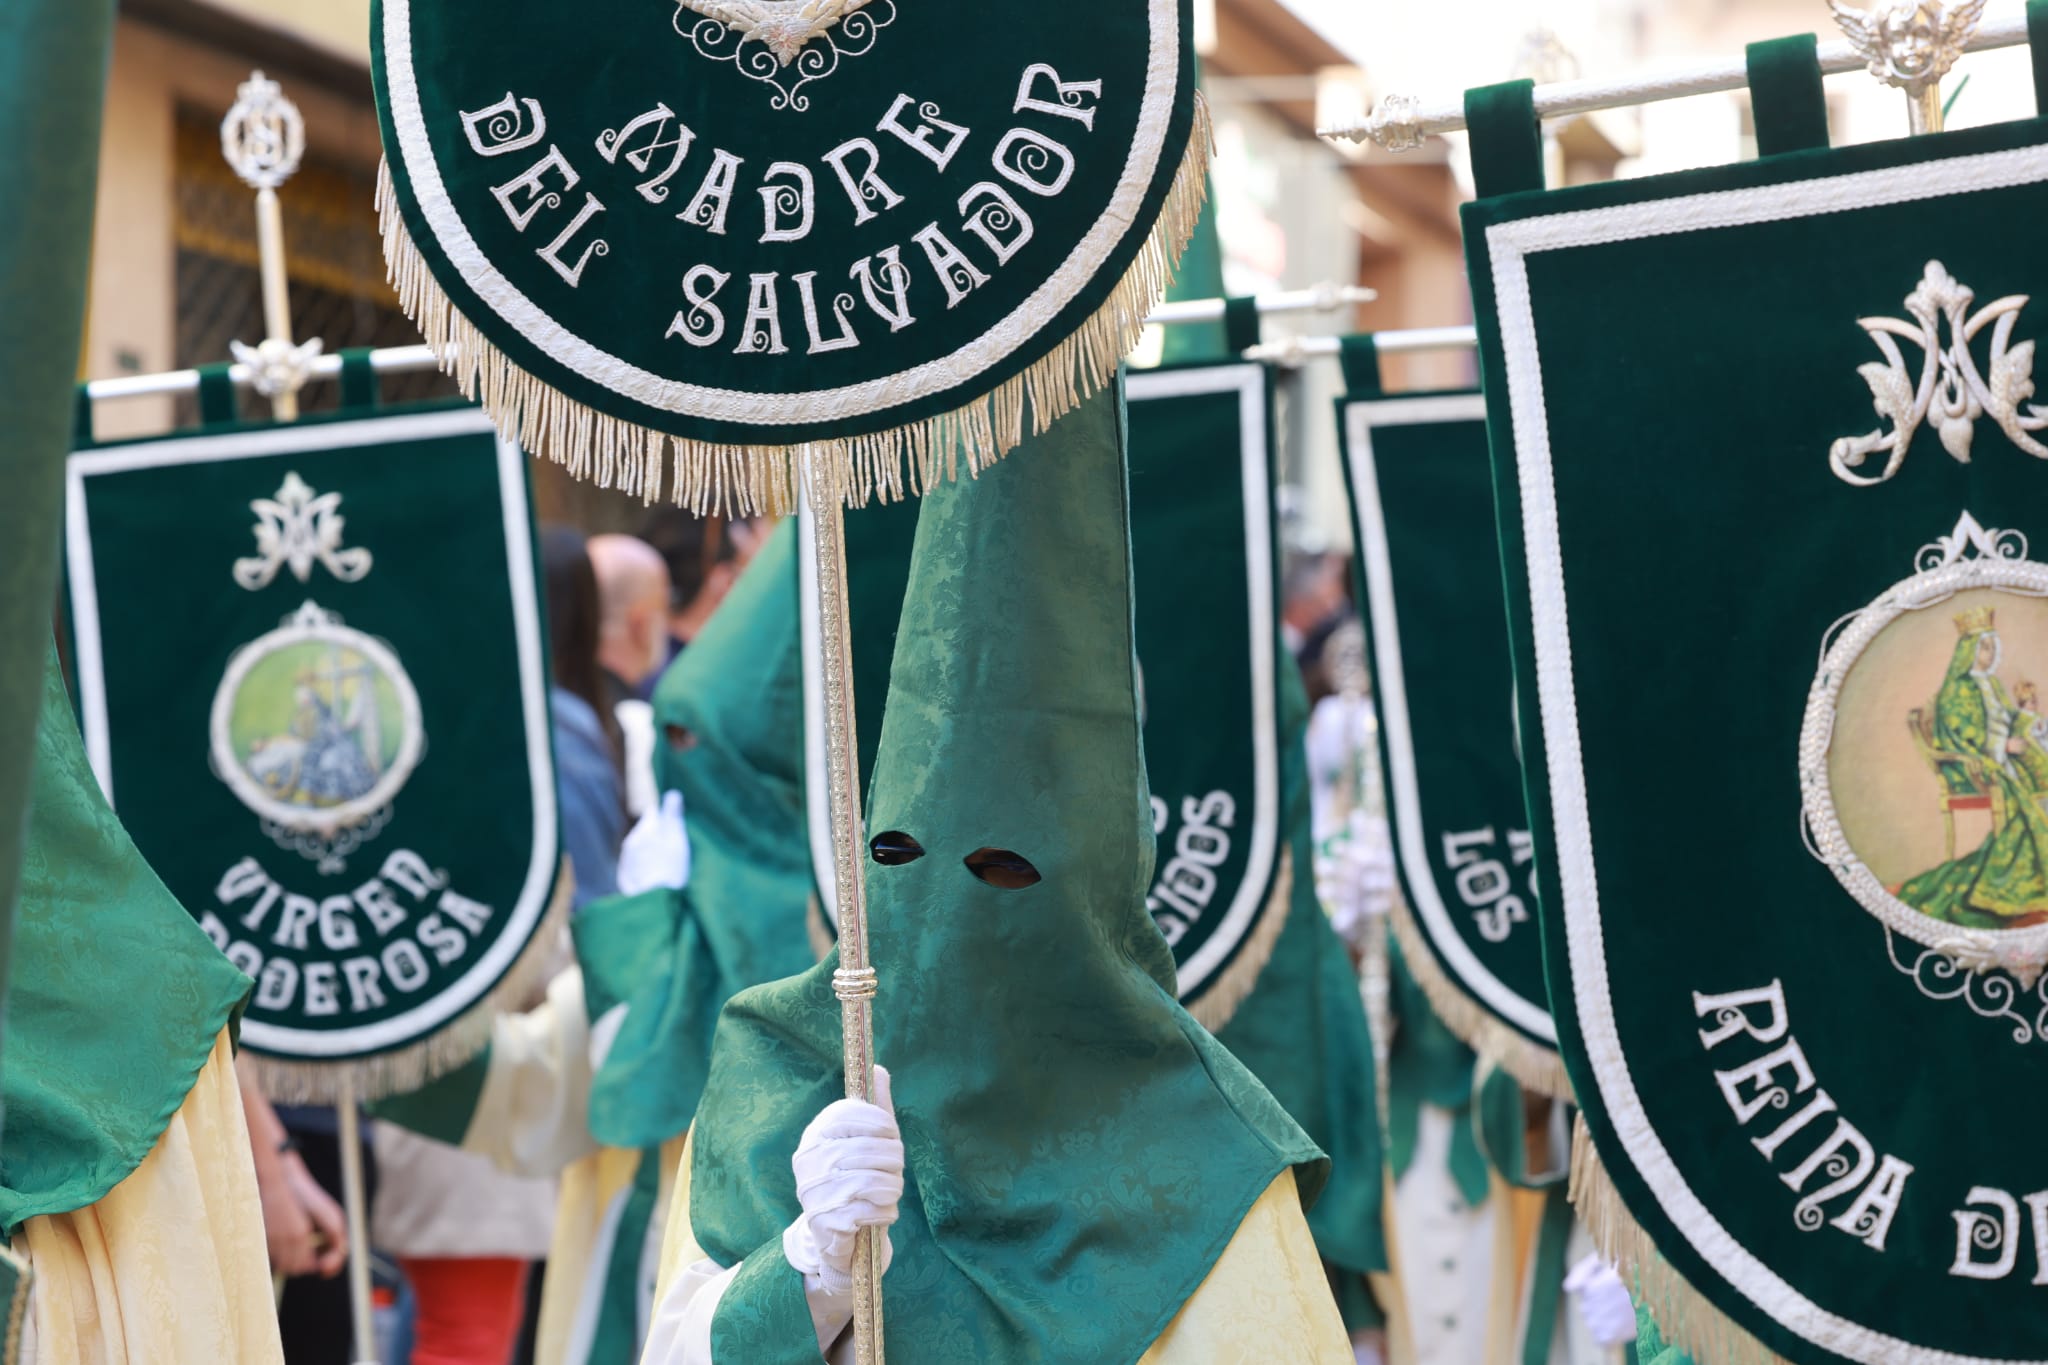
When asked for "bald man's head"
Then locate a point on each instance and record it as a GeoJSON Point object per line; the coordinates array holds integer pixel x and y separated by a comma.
{"type": "Point", "coordinates": [632, 590]}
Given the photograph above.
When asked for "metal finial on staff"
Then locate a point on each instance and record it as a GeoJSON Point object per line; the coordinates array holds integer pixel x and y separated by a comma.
{"type": "Point", "coordinates": [1912, 44]}
{"type": "Point", "coordinates": [263, 138]}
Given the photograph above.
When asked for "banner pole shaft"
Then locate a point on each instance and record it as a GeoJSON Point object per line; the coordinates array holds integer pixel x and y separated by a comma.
{"type": "Point", "coordinates": [277, 308]}
{"type": "Point", "coordinates": [356, 1205]}
{"type": "Point", "coordinates": [854, 982]}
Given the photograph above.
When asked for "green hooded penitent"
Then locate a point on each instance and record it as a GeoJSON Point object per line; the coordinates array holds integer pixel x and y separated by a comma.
{"type": "Point", "coordinates": [1079, 1151]}
{"type": "Point", "coordinates": [53, 66]}
{"type": "Point", "coordinates": [728, 721]}
{"type": "Point", "coordinates": [89, 1089]}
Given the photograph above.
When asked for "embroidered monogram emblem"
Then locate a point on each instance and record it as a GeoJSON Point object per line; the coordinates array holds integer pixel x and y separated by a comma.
{"type": "Point", "coordinates": [1950, 391]}
{"type": "Point", "coordinates": [296, 529]}
{"type": "Point", "coordinates": [786, 44]}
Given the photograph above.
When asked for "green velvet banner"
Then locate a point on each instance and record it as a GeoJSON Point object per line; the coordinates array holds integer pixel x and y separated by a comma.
{"type": "Point", "coordinates": [750, 226]}
{"type": "Point", "coordinates": [1421, 483]}
{"type": "Point", "coordinates": [1773, 477]}
{"type": "Point", "coordinates": [313, 681]}
{"type": "Point", "coordinates": [1209, 654]}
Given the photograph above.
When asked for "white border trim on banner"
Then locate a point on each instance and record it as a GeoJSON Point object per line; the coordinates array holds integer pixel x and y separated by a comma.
{"type": "Point", "coordinates": [1391, 684]}
{"type": "Point", "coordinates": [1510, 245]}
{"type": "Point", "coordinates": [980, 355]}
{"type": "Point", "coordinates": [1249, 383]}
{"type": "Point", "coordinates": [542, 867]}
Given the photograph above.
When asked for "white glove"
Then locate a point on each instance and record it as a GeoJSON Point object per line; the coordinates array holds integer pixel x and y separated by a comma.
{"type": "Point", "coordinates": [656, 852]}
{"type": "Point", "coordinates": [849, 1176]}
{"type": "Point", "coordinates": [1604, 1304]}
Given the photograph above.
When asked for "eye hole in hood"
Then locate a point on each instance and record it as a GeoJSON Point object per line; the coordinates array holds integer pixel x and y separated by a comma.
{"type": "Point", "coordinates": [1003, 869]}
{"type": "Point", "coordinates": [681, 739]}
{"type": "Point", "coordinates": [894, 848]}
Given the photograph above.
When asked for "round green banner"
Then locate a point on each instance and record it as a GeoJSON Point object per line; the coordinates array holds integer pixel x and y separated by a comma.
{"type": "Point", "coordinates": [723, 236]}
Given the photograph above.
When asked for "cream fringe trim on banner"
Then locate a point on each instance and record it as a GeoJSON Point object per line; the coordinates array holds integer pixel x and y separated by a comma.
{"type": "Point", "coordinates": [1219, 1003]}
{"type": "Point", "coordinates": [1538, 1068]}
{"type": "Point", "coordinates": [715, 479]}
{"type": "Point", "coordinates": [455, 1046]}
{"type": "Point", "coordinates": [1684, 1316]}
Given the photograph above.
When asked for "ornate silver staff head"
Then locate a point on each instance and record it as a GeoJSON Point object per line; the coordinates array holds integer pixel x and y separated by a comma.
{"type": "Point", "coordinates": [1910, 44]}
{"type": "Point", "coordinates": [264, 136]}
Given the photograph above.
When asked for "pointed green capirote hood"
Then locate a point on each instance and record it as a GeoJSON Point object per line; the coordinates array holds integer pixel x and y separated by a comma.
{"type": "Point", "coordinates": [1079, 1150]}
{"type": "Point", "coordinates": [728, 718]}
{"type": "Point", "coordinates": [116, 1000]}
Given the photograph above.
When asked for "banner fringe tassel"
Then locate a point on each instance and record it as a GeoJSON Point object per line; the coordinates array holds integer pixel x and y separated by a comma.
{"type": "Point", "coordinates": [1219, 1003]}
{"type": "Point", "coordinates": [1682, 1314]}
{"type": "Point", "coordinates": [455, 1046]}
{"type": "Point", "coordinates": [715, 479]}
{"type": "Point", "coordinates": [1536, 1067]}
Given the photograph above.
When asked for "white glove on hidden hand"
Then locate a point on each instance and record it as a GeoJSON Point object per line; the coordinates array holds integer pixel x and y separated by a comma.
{"type": "Point", "coordinates": [1604, 1304]}
{"type": "Point", "coordinates": [656, 852]}
{"type": "Point", "coordinates": [849, 1176]}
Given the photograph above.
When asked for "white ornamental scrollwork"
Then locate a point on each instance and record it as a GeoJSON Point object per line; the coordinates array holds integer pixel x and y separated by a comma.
{"type": "Point", "coordinates": [1951, 391]}
{"type": "Point", "coordinates": [785, 44]}
{"type": "Point", "coordinates": [296, 529]}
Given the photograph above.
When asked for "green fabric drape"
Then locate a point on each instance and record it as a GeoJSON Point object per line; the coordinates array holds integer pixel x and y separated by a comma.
{"type": "Point", "coordinates": [90, 1086]}
{"type": "Point", "coordinates": [1079, 1150]}
{"type": "Point", "coordinates": [728, 719]}
{"type": "Point", "coordinates": [1507, 138]}
{"type": "Point", "coordinates": [1426, 1064]}
{"type": "Point", "coordinates": [219, 404]}
{"type": "Point", "coordinates": [53, 68]}
{"type": "Point", "coordinates": [1785, 92]}
{"type": "Point", "coordinates": [2037, 38]}
{"type": "Point", "coordinates": [1359, 354]}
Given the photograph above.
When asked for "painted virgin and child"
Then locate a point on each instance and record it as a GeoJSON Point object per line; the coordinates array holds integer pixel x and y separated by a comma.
{"type": "Point", "coordinates": [1991, 743]}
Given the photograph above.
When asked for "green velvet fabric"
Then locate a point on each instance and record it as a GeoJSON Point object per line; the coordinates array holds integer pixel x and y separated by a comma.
{"type": "Point", "coordinates": [2037, 43]}
{"type": "Point", "coordinates": [1080, 1152]}
{"type": "Point", "coordinates": [359, 387]}
{"type": "Point", "coordinates": [1786, 96]}
{"type": "Point", "coordinates": [698, 220]}
{"type": "Point", "coordinates": [1693, 385]}
{"type": "Point", "coordinates": [1420, 479]}
{"type": "Point", "coordinates": [1242, 327]}
{"type": "Point", "coordinates": [89, 1085]}
{"type": "Point", "coordinates": [219, 403]}
{"type": "Point", "coordinates": [1507, 138]}
{"type": "Point", "coordinates": [53, 71]}
{"type": "Point", "coordinates": [728, 719]}
{"type": "Point", "coordinates": [1359, 356]}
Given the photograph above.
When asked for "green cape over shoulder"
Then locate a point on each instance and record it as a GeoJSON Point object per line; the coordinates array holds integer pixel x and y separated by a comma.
{"type": "Point", "coordinates": [89, 1083]}
{"type": "Point", "coordinates": [728, 719]}
{"type": "Point", "coordinates": [1080, 1151]}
